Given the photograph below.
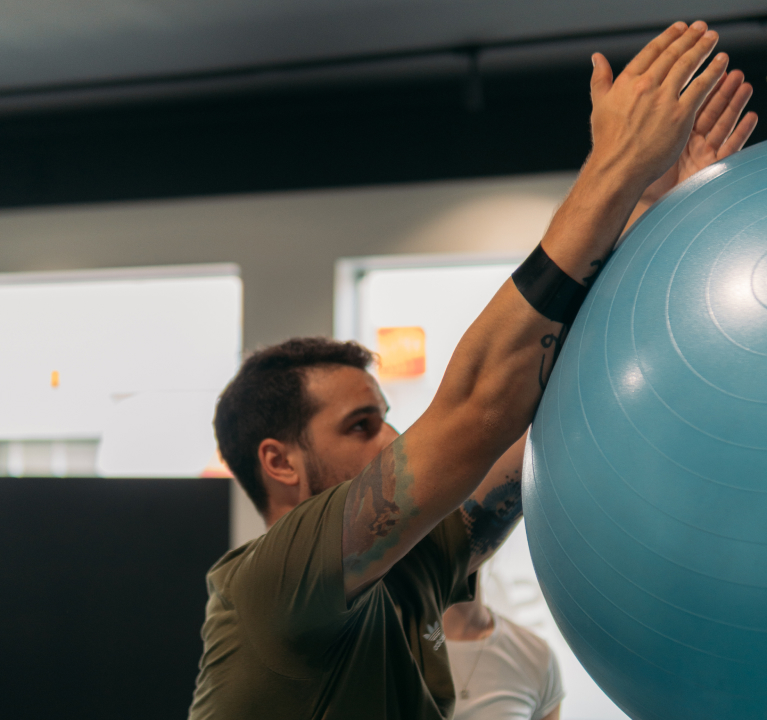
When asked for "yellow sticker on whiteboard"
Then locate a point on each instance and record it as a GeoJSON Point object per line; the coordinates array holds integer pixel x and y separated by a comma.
{"type": "Point", "coordinates": [402, 351]}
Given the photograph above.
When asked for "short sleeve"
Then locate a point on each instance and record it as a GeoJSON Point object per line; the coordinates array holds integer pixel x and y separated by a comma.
{"type": "Point", "coordinates": [288, 590]}
{"type": "Point", "coordinates": [447, 555]}
{"type": "Point", "coordinates": [552, 691]}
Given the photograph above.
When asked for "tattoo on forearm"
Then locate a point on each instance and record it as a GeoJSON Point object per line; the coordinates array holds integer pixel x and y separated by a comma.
{"type": "Point", "coordinates": [588, 281]}
{"type": "Point", "coordinates": [547, 341]}
{"type": "Point", "coordinates": [547, 363]}
{"type": "Point", "coordinates": [378, 506]}
{"type": "Point", "coordinates": [488, 523]}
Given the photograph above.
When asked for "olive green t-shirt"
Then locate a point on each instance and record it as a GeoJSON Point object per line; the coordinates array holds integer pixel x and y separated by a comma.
{"type": "Point", "coordinates": [281, 643]}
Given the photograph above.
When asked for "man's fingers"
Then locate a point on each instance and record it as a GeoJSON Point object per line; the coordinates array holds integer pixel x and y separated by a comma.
{"type": "Point", "coordinates": [601, 77]}
{"type": "Point", "coordinates": [680, 72]}
{"type": "Point", "coordinates": [653, 49]}
{"type": "Point", "coordinates": [728, 116]}
{"type": "Point", "coordinates": [715, 90]}
{"type": "Point", "coordinates": [693, 97]}
{"type": "Point", "coordinates": [679, 54]}
{"type": "Point", "coordinates": [716, 101]}
{"type": "Point", "coordinates": [739, 136]}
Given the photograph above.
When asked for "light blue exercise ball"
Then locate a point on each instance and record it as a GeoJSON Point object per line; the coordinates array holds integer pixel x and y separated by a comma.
{"type": "Point", "coordinates": [645, 480]}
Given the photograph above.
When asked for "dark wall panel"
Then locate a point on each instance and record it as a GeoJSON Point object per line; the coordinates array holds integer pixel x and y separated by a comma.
{"type": "Point", "coordinates": [103, 594]}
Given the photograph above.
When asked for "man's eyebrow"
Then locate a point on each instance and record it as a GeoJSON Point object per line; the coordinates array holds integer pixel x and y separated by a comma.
{"type": "Point", "coordinates": [365, 410]}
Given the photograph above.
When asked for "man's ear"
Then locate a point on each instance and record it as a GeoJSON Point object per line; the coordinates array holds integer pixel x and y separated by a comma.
{"type": "Point", "coordinates": [278, 461]}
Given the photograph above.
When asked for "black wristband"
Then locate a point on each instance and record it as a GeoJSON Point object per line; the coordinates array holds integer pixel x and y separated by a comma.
{"type": "Point", "coordinates": [552, 292]}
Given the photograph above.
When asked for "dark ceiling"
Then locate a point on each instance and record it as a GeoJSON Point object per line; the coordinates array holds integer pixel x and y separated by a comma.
{"type": "Point", "coordinates": [60, 44]}
{"type": "Point", "coordinates": [140, 99]}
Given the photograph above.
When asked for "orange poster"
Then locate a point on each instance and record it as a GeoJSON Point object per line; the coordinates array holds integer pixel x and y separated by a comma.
{"type": "Point", "coordinates": [402, 351]}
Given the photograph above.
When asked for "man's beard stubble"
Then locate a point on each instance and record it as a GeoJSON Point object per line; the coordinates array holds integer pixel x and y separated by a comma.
{"type": "Point", "coordinates": [319, 475]}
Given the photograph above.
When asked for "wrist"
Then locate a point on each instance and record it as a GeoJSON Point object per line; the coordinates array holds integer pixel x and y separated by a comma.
{"type": "Point", "coordinates": [585, 228]}
{"type": "Point", "coordinates": [613, 177]}
{"type": "Point", "coordinates": [548, 289]}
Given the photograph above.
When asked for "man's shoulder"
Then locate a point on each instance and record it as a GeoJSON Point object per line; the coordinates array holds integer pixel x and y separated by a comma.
{"type": "Point", "coordinates": [301, 518]}
{"type": "Point", "coordinates": [311, 508]}
{"type": "Point", "coordinates": [310, 525]}
{"type": "Point", "coordinates": [220, 574]}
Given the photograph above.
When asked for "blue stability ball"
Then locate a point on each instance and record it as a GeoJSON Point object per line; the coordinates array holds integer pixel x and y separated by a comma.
{"type": "Point", "coordinates": [645, 481]}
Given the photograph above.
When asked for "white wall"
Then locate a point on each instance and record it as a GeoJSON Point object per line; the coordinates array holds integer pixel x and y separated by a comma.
{"type": "Point", "coordinates": [285, 243]}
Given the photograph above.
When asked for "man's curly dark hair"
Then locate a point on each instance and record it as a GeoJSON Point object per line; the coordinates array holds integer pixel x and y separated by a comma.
{"type": "Point", "coordinates": [268, 398]}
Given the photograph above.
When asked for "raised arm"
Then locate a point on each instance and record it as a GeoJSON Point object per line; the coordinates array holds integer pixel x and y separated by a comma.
{"type": "Point", "coordinates": [640, 123]}
{"type": "Point", "coordinates": [495, 507]}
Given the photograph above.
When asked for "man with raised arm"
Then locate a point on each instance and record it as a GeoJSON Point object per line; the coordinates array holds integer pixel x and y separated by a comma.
{"type": "Point", "coordinates": [335, 612]}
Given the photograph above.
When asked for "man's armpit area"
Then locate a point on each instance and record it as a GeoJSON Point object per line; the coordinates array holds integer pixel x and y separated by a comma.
{"type": "Point", "coordinates": [379, 507]}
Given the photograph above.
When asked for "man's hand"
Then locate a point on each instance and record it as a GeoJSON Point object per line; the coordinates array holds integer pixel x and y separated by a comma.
{"type": "Point", "coordinates": [641, 122]}
{"type": "Point", "coordinates": [644, 118]}
{"type": "Point", "coordinates": [715, 135]}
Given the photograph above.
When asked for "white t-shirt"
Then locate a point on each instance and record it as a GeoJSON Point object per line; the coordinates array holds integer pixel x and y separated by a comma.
{"type": "Point", "coordinates": [512, 675]}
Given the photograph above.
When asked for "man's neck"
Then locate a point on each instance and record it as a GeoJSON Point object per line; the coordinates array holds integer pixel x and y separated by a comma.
{"type": "Point", "coordinates": [275, 512]}
{"type": "Point", "coordinates": [468, 621]}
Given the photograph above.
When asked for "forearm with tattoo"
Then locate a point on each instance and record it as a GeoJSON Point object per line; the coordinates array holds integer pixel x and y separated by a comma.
{"type": "Point", "coordinates": [555, 342]}
{"type": "Point", "coordinates": [490, 520]}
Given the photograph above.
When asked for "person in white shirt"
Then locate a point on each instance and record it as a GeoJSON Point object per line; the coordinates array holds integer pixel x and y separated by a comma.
{"type": "Point", "coordinates": [501, 671]}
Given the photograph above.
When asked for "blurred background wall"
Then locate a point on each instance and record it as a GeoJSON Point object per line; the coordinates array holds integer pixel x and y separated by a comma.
{"type": "Point", "coordinates": [285, 243]}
